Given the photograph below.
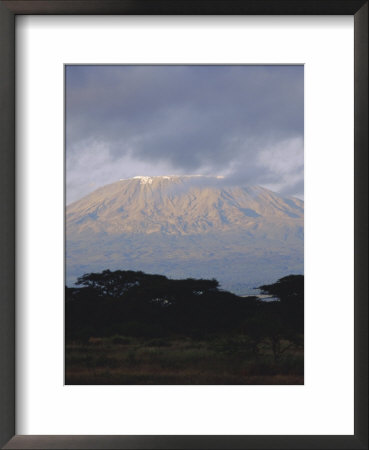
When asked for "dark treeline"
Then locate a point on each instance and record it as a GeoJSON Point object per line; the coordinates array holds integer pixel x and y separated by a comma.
{"type": "Point", "coordinates": [127, 303]}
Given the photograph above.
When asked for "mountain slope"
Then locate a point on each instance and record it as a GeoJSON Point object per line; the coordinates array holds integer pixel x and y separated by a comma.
{"type": "Point", "coordinates": [178, 205]}
{"type": "Point", "coordinates": [187, 226]}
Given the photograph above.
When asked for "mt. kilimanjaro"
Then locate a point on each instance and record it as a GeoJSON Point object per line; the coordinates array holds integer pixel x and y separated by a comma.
{"type": "Point", "coordinates": [187, 226]}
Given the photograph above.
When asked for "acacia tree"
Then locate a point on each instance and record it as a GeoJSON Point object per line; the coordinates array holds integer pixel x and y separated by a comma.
{"type": "Point", "coordinates": [113, 284]}
{"type": "Point", "coordinates": [288, 289]}
{"type": "Point", "coordinates": [284, 318]}
{"type": "Point", "coordinates": [107, 302]}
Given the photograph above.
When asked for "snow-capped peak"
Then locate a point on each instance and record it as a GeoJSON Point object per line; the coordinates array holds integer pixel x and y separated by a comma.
{"type": "Point", "coordinates": [143, 179]}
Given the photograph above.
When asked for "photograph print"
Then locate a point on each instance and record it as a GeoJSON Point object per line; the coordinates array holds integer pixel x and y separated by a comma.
{"type": "Point", "coordinates": [184, 225]}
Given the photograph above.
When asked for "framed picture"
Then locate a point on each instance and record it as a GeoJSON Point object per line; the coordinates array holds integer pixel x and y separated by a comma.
{"type": "Point", "coordinates": [160, 166]}
{"type": "Point", "coordinates": [169, 245]}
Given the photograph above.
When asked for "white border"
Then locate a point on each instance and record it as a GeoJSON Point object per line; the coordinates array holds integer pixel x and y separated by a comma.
{"type": "Point", "coordinates": [325, 404]}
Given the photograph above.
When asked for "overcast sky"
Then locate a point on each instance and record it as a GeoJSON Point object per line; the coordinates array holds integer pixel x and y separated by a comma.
{"type": "Point", "coordinates": [243, 122]}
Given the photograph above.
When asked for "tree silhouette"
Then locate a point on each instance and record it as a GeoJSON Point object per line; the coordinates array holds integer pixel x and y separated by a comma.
{"type": "Point", "coordinates": [288, 289]}
{"type": "Point", "coordinates": [115, 284]}
{"type": "Point", "coordinates": [285, 317]}
{"type": "Point", "coordinates": [139, 304]}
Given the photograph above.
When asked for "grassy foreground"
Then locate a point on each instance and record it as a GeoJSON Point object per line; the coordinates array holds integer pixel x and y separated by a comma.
{"type": "Point", "coordinates": [214, 360]}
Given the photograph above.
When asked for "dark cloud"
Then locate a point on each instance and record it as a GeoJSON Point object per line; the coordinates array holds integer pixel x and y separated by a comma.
{"type": "Point", "coordinates": [242, 121]}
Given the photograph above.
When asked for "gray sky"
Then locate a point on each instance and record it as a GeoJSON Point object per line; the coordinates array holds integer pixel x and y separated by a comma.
{"type": "Point", "coordinates": [243, 122]}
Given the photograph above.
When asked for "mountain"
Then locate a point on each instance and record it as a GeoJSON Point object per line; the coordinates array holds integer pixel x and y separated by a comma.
{"type": "Point", "coordinates": [187, 226]}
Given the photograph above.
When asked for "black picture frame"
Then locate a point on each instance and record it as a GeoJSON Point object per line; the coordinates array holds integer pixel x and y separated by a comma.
{"type": "Point", "coordinates": [8, 11]}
